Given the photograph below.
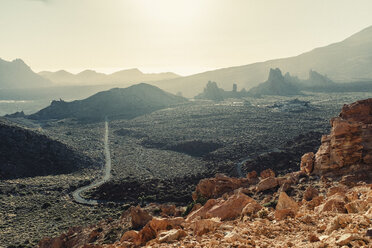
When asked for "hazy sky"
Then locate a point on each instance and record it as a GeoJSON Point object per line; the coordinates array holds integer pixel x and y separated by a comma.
{"type": "Point", "coordinates": [183, 36]}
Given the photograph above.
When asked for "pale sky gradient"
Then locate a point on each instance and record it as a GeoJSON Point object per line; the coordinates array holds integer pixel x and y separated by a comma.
{"type": "Point", "coordinates": [183, 36]}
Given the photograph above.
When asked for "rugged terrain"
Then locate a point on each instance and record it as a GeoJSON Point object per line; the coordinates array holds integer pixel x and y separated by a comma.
{"type": "Point", "coordinates": [270, 133]}
{"type": "Point", "coordinates": [326, 203]}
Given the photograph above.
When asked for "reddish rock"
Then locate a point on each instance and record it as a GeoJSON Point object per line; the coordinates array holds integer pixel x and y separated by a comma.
{"type": "Point", "coordinates": [281, 214]}
{"type": "Point", "coordinates": [267, 183]}
{"type": "Point", "coordinates": [316, 201]}
{"type": "Point", "coordinates": [286, 202]}
{"type": "Point", "coordinates": [313, 238]}
{"type": "Point", "coordinates": [139, 217]}
{"type": "Point", "coordinates": [201, 227]}
{"type": "Point", "coordinates": [51, 243]}
{"type": "Point", "coordinates": [219, 185]}
{"type": "Point", "coordinates": [223, 209]}
{"type": "Point", "coordinates": [335, 203]}
{"type": "Point", "coordinates": [310, 193]}
{"type": "Point", "coordinates": [251, 208]}
{"type": "Point", "coordinates": [357, 206]}
{"type": "Point", "coordinates": [168, 210]}
{"type": "Point", "coordinates": [267, 173]}
{"type": "Point", "coordinates": [231, 208]}
{"type": "Point", "coordinates": [348, 148]}
{"type": "Point", "coordinates": [130, 236]}
{"type": "Point", "coordinates": [252, 175]}
{"type": "Point", "coordinates": [307, 162]}
{"type": "Point", "coordinates": [171, 235]}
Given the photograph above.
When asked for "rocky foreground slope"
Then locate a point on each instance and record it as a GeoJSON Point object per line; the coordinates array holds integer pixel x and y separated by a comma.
{"type": "Point", "coordinates": [327, 203]}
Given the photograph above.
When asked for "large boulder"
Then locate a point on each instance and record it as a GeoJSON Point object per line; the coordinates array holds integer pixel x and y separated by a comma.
{"type": "Point", "coordinates": [224, 209]}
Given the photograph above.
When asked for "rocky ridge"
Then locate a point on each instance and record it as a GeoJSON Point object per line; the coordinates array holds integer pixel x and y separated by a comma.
{"type": "Point", "coordinates": [321, 205]}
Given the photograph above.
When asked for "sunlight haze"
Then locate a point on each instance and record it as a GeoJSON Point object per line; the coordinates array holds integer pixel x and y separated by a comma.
{"type": "Point", "coordinates": [181, 36]}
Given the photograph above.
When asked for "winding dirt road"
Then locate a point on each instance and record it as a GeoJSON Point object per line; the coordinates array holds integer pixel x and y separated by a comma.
{"type": "Point", "coordinates": [106, 174]}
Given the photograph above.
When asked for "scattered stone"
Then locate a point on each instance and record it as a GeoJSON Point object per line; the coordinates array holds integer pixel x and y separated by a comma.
{"type": "Point", "coordinates": [267, 173]}
{"type": "Point", "coordinates": [139, 217]}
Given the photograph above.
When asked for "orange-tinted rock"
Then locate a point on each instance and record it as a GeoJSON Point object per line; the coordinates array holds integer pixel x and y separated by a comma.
{"type": "Point", "coordinates": [171, 235]}
{"type": "Point", "coordinates": [201, 212]}
{"type": "Point", "coordinates": [357, 206]}
{"type": "Point", "coordinates": [310, 193]}
{"type": "Point", "coordinates": [267, 173]}
{"type": "Point", "coordinates": [251, 208]}
{"type": "Point", "coordinates": [51, 243]}
{"type": "Point", "coordinates": [168, 210]}
{"type": "Point", "coordinates": [252, 175]}
{"type": "Point", "coordinates": [316, 201]}
{"type": "Point", "coordinates": [139, 217]}
{"type": "Point", "coordinates": [307, 162]}
{"type": "Point", "coordinates": [231, 208]}
{"type": "Point", "coordinates": [130, 236]}
{"type": "Point", "coordinates": [219, 185]}
{"type": "Point", "coordinates": [360, 111]}
{"type": "Point", "coordinates": [203, 226]}
{"type": "Point", "coordinates": [348, 148]}
{"type": "Point", "coordinates": [223, 209]}
{"type": "Point", "coordinates": [281, 214]}
{"type": "Point", "coordinates": [267, 183]}
{"type": "Point", "coordinates": [335, 203]}
{"type": "Point", "coordinates": [313, 238]}
{"type": "Point", "coordinates": [286, 202]}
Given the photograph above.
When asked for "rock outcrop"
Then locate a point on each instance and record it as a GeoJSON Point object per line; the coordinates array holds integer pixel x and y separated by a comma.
{"type": "Point", "coordinates": [276, 84]}
{"type": "Point", "coordinates": [347, 150]}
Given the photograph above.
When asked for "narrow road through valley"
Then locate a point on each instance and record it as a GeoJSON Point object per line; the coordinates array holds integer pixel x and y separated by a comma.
{"type": "Point", "coordinates": [106, 174]}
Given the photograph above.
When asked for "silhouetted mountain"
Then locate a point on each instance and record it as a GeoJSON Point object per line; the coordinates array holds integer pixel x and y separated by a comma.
{"type": "Point", "coordinates": [25, 153]}
{"type": "Point", "coordinates": [347, 61]}
{"type": "Point", "coordinates": [276, 84]}
{"type": "Point", "coordinates": [124, 103]}
{"type": "Point", "coordinates": [16, 74]}
{"type": "Point", "coordinates": [90, 77]}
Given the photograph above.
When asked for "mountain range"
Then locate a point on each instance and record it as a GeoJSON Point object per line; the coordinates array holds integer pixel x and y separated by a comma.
{"type": "Point", "coordinates": [16, 74]}
{"type": "Point", "coordinates": [90, 77]}
{"type": "Point", "coordinates": [346, 61]}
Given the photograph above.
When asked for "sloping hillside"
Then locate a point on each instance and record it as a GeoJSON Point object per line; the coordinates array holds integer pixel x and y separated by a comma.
{"type": "Point", "coordinates": [124, 103]}
{"type": "Point", "coordinates": [16, 74]}
{"type": "Point", "coordinates": [24, 153]}
{"type": "Point", "coordinates": [346, 61]}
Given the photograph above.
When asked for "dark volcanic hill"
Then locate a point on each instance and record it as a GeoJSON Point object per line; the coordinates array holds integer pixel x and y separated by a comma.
{"type": "Point", "coordinates": [347, 61]}
{"type": "Point", "coordinates": [276, 84]}
{"type": "Point", "coordinates": [116, 103]}
{"type": "Point", "coordinates": [16, 74]}
{"type": "Point", "coordinates": [24, 153]}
